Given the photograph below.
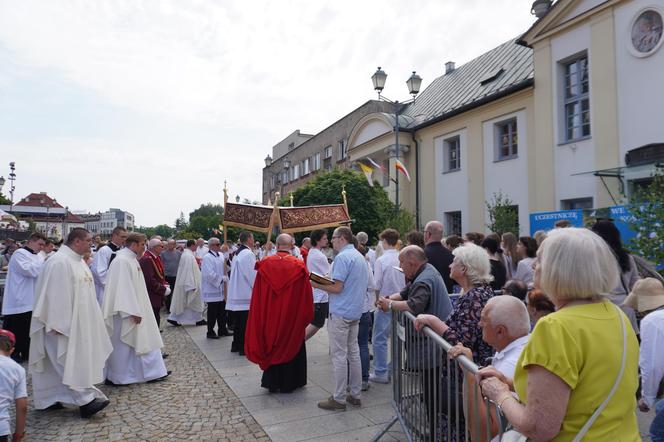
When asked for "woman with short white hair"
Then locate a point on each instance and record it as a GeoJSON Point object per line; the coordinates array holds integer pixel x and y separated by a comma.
{"type": "Point", "coordinates": [577, 376]}
{"type": "Point", "coordinates": [472, 271]}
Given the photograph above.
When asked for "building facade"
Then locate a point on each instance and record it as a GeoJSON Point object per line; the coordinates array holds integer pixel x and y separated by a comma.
{"type": "Point", "coordinates": [49, 216]}
{"type": "Point", "coordinates": [113, 218]}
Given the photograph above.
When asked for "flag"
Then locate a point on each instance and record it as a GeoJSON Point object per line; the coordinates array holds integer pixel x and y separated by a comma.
{"type": "Point", "coordinates": [367, 172]}
{"type": "Point", "coordinates": [401, 168]}
{"type": "Point", "coordinates": [375, 165]}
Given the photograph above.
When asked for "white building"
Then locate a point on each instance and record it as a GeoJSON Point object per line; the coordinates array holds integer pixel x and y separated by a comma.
{"type": "Point", "coordinates": [114, 218]}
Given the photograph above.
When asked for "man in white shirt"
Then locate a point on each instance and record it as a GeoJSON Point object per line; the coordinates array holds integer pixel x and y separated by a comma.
{"type": "Point", "coordinates": [240, 287]}
{"type": "Point", "coordinates": [389, 281]}
{"type": "Point", "coordinates": [102, 260]}
{"type": "Point", "coordinates": [47, 250]}
{"type": "Point", "coordinates": [317, 262]}
{"type": "Point", "coordinates": [130, 320]}
{"type": "Point", "coordinates": [201, 248]}
{"type": "Point", "coordinates": [24, 267]}
{"type": "Point", "coordinates": [213, 282]}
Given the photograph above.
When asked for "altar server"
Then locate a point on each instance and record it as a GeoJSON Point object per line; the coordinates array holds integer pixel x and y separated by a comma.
{"type": "Point", "coordinates": [103, 257]}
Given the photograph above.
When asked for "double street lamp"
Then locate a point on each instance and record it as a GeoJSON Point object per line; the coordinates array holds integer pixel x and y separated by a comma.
{"type": "Point", "coordinates": [414, 82]}
{"type": "Point", "coordinates": [286, 163]}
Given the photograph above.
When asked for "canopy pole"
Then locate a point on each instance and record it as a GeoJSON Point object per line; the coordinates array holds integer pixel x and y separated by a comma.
{"type": "Point", "coordinates": [225, 201]}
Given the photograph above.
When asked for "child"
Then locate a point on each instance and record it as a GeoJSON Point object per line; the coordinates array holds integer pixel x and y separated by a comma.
{"type": "Point", "coordinates": [12, 388]}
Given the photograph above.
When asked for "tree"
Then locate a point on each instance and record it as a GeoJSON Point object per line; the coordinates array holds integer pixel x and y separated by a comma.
{"type": "Point", "coordinates": [4, 200]}
{"type": "Point", "coordinates": [503, 215]}
{"type": "Point", "coordinates": [403, 222]}
{"type": "Point", "coordinates": [647, 210]}
{"type": "Point", "coordinates": [181, 222]}
{"type": "Point", "coordinates": [369, 207]}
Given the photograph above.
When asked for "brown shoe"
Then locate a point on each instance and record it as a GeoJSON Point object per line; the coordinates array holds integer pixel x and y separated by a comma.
{"type": "Point", "coordinates": [332, 405]}
{"type": "Point", "coordinates": [353, 400]}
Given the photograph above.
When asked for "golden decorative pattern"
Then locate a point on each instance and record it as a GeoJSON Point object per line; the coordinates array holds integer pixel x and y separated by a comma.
{"type": "Point", "coordinates": [304, 218]}
{"type": "Point", "coordinates": [243, 215]}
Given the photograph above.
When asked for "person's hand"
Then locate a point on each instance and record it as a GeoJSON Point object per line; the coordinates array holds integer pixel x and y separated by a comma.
{"type": "Point", "coordinates": [490, 372]}
{"type": "Point", "coordinates": [383, 303]}
{"type": "Point", "coordinates": [459, 350]}
{"type": "Point", "coordinates": [16, 437]}
{"type": "Point", "coordinates": [643, 406]}
{"type": "Point", "coordinates": [421, 321]}
{"type": "Point", "coordinates": [136, 319]}
{"type": "Point", "coordinates": [494, 389]}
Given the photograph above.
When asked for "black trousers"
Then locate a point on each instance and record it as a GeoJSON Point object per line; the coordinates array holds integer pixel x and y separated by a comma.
{"type": "Point", "coordinates": [171, 281]}
{"type": "Point", "coordinates": [216, 314]}
{"type": "Point", "coordinates": [239, 329]}
{"type": "Point", "coordinates": [157, 316]}
{"type": "Point", "coordinates": [19, 324]}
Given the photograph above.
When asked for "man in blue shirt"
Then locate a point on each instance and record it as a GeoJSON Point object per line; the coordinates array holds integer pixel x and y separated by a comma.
{"type": "Point", "coordinates": [346, 302]}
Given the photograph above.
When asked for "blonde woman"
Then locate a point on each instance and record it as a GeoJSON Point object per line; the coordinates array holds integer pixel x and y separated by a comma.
{"type": "Point", "coordinates": [508, 244]}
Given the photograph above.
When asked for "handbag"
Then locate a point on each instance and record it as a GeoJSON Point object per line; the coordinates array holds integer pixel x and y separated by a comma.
{"type": "Point", "coordinates": [515, 436]}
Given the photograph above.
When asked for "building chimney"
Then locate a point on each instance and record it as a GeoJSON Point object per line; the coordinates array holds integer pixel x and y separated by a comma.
{"type": "Point", "coordinates": [449, 67]}
{"type": "Point", "coordinates": [540, 8]}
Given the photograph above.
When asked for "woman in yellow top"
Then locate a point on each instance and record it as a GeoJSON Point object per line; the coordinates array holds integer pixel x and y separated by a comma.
{"type": "Point", "coordinates": [574, 355]}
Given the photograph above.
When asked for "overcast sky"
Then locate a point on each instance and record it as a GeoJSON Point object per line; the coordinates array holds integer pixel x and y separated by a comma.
{"type": "Point", "coordinates": [149, 105]}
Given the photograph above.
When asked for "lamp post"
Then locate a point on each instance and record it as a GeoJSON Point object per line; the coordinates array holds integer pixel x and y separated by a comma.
{"type": "Point", "coordinates": [12, 178]}
{"type": "Point", "coordinates": [237, 198]}
{"type": "Point", "coordinates": [414, 82]}
{"type": "Point", "coordinates": [64, 221]}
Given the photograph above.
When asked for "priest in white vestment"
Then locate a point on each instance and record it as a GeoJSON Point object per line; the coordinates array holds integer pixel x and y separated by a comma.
{"type": "Point", "coordinates": [240, 286]}
{"type": "Point", "coordinates": [130, 321]}
{"type": "Point", "coordinates": [186, 303]}
{"type": "Point", "coordinates": [69, 343]}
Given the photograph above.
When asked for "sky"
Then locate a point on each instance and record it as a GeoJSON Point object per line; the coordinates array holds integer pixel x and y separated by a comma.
{"type": "Point", "coordinates": [150, 105]}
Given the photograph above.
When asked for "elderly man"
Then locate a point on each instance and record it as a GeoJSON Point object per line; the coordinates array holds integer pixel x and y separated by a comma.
{"type": "Point", "coordinates": [505, 326]}
{"type": "Point", "coordinates": [240, 287]}
{"type": "Point", "coordinates": [213, 282]}
{"type": "Point", "coordinates": [69, 343]}
{"type": "Point", "coordinates": [346, 302]}
{"type": "Point", "coordinates": [153, 273]}
{"type": "Point", "coordinates": [281, 308]}
{"type": "Point", "coordinates": [201, 248]}
{"type": "Point", "coordinates": [437, 254]}
{"type": "Point", "coordinates": [129, 318]}
{"type": "Point", "coordinates": [187, 305]}
{"type": "Point", "coordinates": [23, 270]}
{"type": "Point", "coordinates": [425, 293]}
{"type": "Point", "coordinates": [170, 258]}
{"type": "Point", "coordinates": [103, 257]}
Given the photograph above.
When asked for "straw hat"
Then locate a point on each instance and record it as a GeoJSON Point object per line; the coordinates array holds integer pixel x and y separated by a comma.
{"type": "Point", "coordinates": [647, 294]}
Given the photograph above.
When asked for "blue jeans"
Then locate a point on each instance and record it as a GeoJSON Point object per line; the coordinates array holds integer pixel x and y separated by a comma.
{"type": "Point", "coordinates": [363, 342]}
{"type": "Point", "coordinates": [381, 336]}
{"type": "Point", "coordinates": [657, 426]}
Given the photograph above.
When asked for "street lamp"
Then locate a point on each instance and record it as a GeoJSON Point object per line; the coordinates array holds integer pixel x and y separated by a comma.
{"type": "Point", "coordinates": [268, 160]}
{"type": "Point", "coordinates": [237, 198]}
{"type": "Point", "coordinates": [12, 178]}
{"type": "Point", "coordinates": [414, 82]}
{"type": "Point", "coordinates": [64, 221]}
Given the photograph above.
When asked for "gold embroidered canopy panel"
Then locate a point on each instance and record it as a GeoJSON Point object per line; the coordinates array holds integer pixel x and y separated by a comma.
{"type": "Point", "coordinates": [299, 219]}
{"type": "Point", "coordinates": [256, 218]}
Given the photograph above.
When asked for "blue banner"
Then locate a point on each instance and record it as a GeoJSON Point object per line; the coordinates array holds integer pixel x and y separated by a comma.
{"type": "Point", "coordinates": [547, 220]}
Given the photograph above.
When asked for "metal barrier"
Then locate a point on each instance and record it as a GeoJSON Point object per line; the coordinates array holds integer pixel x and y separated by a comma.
{"type": "Point", "coordinates": [436, 398]}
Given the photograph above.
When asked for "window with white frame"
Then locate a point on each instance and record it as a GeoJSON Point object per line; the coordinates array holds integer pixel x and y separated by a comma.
{"type": "Point", "coordinates": [315, 162]}
{"type": "Point", "coordinates": [576, 98]}
{"type": "Point", "coordinates": [342, 150]}
{"type": "Point", "coordinates": [452, 154]}
{"type": "Point", "coordinates": [296, 171]}
{"type": "Point", "coordinates": [284, 177]}
{"type": "Point", "coordinates": [453, 223]}
{"type": "Point", "coordinates": [305, 167]}
{"type": "Point", "coordinates": [327, 152]}
{"type": "Point", "coordinates": [507, 140]}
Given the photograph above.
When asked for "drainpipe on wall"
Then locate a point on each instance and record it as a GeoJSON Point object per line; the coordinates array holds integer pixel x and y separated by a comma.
{"type": "Point", "coordinates": [417, 182]}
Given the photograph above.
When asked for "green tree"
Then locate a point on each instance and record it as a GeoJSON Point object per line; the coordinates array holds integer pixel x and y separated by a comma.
{"type": "Point", "coordinates": [206, 219]}
{"type": "Point", "coordinates": [181, 223]}
{"type": "Point", "coordinates": [147, 231]}
{"type": "Point", "coordinates": [164, 230]}
{"type": "Point", "coordinates": [403, 222]}
{"type": "Point", "coordinates": [4, 200]}
{"type": "Point", "coordinates": [647, 210]}
{"type": "Point", "coordinates": [369, 207]}
{"type": "Point", "coordinates": [503, 215]}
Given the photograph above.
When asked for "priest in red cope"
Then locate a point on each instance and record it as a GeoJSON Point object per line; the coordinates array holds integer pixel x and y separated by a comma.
{"type": "Point", "coordinates": [281, 308]}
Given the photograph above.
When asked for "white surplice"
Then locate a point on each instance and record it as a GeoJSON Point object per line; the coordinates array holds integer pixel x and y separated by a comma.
{"type": "Point", "coordinates": [69, 343]}
{"type": "Point", "coordinates": [186, 304]}
{"type": "Point", "coordinates": [241, 284]}
{"type": "Point", "coordinates": [136, 355]}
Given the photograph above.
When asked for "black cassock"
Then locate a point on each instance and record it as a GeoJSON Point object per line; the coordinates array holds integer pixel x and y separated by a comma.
{"type": "Point", "coordinates": [288, 376]}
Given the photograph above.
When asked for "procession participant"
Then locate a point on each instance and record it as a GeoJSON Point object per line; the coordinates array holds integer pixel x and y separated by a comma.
{"type": "Point", "coordinates": [170, 257]}
{"type": "Point", "coordinates": [346, 304]}
{"type": "Point", "coordinates": [130, 321]}
{"type": "Point", "coordinates": [281, 308]}
{"type": "Point", "coordinates": [295, 250]}
{"type": "Point", "coordinates": [304, 248]}
{"type": "Point", "coordinates": [103, 257]}
{"type": "Point", "coordinates": [317, 263]}
{"type": "Point", "coordinates": [47, 250]}
{"type": "Point", "coordinates": [68, 340]}
{"type": "Point", "coordinates": [187, 305]}
{"type": "Point", "coordinates": [153, 273]}
{"type": "Point", "coordinates": [213, 278]}
{"type": "Point", "coordinates": [22, 272]}
{"type": "Point", "coordinates": [240, 286]}
{"type": "Point", "coordinates": [201, 248]}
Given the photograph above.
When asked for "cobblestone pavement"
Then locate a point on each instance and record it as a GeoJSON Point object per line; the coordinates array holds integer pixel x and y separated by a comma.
{"type": "Point", "coordinates": [194, 403]}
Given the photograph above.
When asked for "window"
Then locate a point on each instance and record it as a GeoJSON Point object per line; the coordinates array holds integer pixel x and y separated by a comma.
{"type": "Point", "coordinates": [296, 172]}
{"type": "Point", "coordinates": [386, 173]}
{"type": "Point", "coordinates": [284, 177]}
{"type": "Point", "coordinates": [453, 223]}
{"type": "Point", "coordinates": [341, 150]}
{"type": "Point", "coordinates": [305, 167]}
{"type": "Point", "coordinates": [452, 154]}
{"type": "Point", "coordinates": [328, 167]}
{"type": "Point", "coordinates": [577, 101]}
{"type": "Point", "coordinates": [507, 140]}
{"type": "Point", "coordinates": [315, 162]}
{"type": "Point", "coordinates": [327, 152]}
{"type": "Point", "coordinates": [576, 203]}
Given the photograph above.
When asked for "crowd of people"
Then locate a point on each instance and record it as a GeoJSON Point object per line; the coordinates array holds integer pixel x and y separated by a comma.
{"type": "Point", "coordinates": [556, 319]}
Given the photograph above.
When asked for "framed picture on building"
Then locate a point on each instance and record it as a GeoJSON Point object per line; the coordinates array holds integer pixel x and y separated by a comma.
{"type": "Point", "coordinates": [646, 32]}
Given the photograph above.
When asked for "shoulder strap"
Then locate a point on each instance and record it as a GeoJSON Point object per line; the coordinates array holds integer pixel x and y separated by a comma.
{"type": "Point", "coordinates": [603, 405]}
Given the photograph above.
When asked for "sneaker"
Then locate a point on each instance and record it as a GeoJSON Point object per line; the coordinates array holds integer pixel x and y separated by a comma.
{"type": "Point", "coordinates": [353, 400]}
{"type": "Point", "coordinates": [379, 379]}
{"type": "Point", "coordinates": [332, 405]}
{"type": "Point", "coordinates": [365, 385]}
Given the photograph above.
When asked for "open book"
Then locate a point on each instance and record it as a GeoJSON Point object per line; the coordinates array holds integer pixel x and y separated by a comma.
{"type": "Point", "coordinates": [320, 279]}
